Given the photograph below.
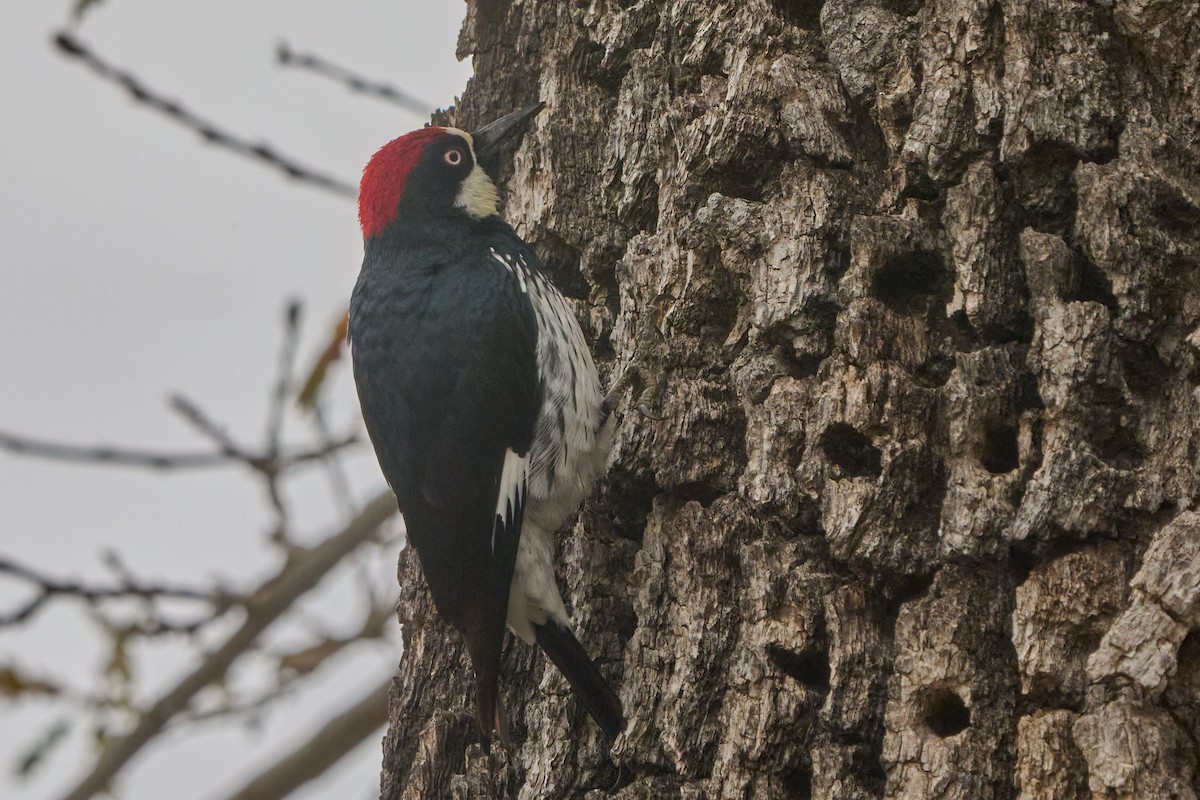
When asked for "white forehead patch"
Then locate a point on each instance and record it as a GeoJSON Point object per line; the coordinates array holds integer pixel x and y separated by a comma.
{"type": "Point", "coordinates": [470, 139]}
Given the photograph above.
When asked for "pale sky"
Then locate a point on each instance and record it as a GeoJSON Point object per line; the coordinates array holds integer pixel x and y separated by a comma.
{"type": "Point", "coordinates": [137, 261]}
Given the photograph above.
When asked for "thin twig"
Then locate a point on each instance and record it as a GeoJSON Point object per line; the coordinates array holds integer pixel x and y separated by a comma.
{"type": "Point", "coordinates": [275, 414]}
{"type": "Point", "coordinates": [336, 470]}
{"type": "Point", "coordinates": [351, 80]}
{"type": "Point", "coordinates": [129, 587]}
{"type": "Point", "coordinates": [69, 45]}
{"type": "Point", "coordinates": [245, 707]}
{"type": "Point", "coordinates": [152, 627]}
{"type": "Point", "coordinates": [294, 580]}
{"type": "Point", "coordinates": [123, 456]}
{"type": "Point", "coordinates": [207, 427]}
{"type": "Point", "coordinates": [152, 459]}
{"type": "Point", "coordinates": [283, 386]}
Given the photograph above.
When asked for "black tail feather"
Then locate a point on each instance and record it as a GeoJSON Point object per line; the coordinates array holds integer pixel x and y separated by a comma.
{"type": "Point", "coordinates": [489, 710]}
{"type": "Point", "coordinates": [561, 646]}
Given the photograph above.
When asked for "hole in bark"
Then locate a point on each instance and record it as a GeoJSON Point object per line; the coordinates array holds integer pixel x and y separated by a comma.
{"type": "Point", "coordinates": [1087, 640]}
{"type": "Point", "coordinates": [1088, 283]}
{"type": "Point", "coordinates": [1043, 183]}
{"type": "Point", "coordinates": [910, 587]}
{"type": "Point", "coordinates": [702, 493]}
{"type": "Point", "coordinates": [921, 518]}
{"type": "Point", "coordinates": [1113, 435]}
{"type": "Point", "coordinates": [962, 332]}
{"type": "Point", "coordinates": [905, 8]}
{"type": "Point", "coordinates": [809, 667]}
{"type": "Point", "coordinates": [629, 497]}
{"type": "Point", "coordinates": [1017, 328]}
{"type": "Point", "coordinates": [1175, 213]}
{"type": "Point", "coordinates": [945, 713]}
{"type": "Point", "coordinates": [588, 60]}
{"type": "Point", "coordinates": [801, 13]}
{"type": "Point", "coordinates": [1000, 454]}
{"type": "Point", "coordinates": [807, 521]}
{"type": "Point", "coordinates": [934, 373]}
{"type": "Point", "coordinates": [920, 186]}
{"type": "Point", "coordinates": [851, 452]}
{"type": "Point", "coordinates": [910, 283]}
{"type": "Point", "coordinates": [797, 365]}
{"type": "Point", "coordinates": [1029, 394]}
{"type": "Point", "coordinates": [740, 181]}
{"type": "Point", "coordinates": [797, 782]}
{"type": "Point", "coordinates": [1023, 561]}
{"type": "Point", "coordinates": [1145, 372]}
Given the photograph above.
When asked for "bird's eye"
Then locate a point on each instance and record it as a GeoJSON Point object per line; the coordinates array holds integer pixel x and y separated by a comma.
{"type": "Point", "coordinates": [453, 157]}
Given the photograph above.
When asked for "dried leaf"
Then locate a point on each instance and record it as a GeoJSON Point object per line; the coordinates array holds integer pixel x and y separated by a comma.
{"type": "Point", "coordinates": [120, 668]}
{"type": "Point", "coordinates": [307, 398]}
{"type": "Point", "coordinates": [14, 684]}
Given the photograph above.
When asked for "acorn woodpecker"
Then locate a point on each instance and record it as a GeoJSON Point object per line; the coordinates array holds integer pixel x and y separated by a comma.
{"type": "Point", "coordinates": [481, 399]}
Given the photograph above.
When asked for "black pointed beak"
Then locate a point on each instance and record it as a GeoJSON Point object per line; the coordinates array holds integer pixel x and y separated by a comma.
{"type": "Point", "coordinates": [490, 137]}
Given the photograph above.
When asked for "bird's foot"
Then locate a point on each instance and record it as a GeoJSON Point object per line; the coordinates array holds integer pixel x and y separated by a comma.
{"type": "Point", "coordinates": [648, 398]}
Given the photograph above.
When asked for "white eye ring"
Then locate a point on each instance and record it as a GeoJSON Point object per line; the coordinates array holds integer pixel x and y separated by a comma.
{"type": "Point", "coordinates": [453, 157]}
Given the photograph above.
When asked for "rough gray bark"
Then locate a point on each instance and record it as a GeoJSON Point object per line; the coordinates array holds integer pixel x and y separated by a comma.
{"type": "Point", "coordinates": [921, 278]}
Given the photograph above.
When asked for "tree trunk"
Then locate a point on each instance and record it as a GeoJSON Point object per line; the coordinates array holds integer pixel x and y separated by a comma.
{"type": "Point", "coordinates": [921, 281]}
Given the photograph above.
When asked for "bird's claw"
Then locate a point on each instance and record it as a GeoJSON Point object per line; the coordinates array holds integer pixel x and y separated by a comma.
{"type": "Point", "coordinates": [647, 400]}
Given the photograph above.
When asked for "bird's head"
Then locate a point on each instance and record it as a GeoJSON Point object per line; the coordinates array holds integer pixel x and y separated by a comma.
{"type": "Point", "coordinates": [434, 171]}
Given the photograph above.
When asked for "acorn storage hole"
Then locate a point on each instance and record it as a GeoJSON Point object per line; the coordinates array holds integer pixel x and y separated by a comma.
{"type": "Point", "coordinates": [945, 713]}
{"type": "Point", "coordinates": [912, 283]}
{"type": "Point", "coordinates": [851, 451]}
{"type": "Point", "coordinates": [1001, 451]}
{"type": "Point", "coordinates": [804, 14]}
{"type": "Point", "coordinates": [797, 782]}
{"type": "Point", "coordinates": [809, 667]}
{"type": "Point", "coordinates": [1088, 283]}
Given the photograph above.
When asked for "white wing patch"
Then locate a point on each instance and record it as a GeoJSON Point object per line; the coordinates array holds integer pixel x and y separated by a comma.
{"type": "Point", "coordinates": [565, 434]}
{"type": "Point", "coordinates": [566, 455]}
{"type": "Point", "coordinates": [509, 264]}
{"type": "Point", "coordinates": [511, 499]}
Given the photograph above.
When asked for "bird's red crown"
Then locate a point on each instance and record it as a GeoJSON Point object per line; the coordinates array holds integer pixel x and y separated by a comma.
{"type": "Point", "coordinates": [384, 178]}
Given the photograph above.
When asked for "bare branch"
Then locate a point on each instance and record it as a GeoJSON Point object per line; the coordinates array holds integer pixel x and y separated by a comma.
{"type": "Point", "coordinates": [326, 747]}
{"type": "Point", "coordinates": [210, 132]}
{"type": "Point", "coordinates": [123, 456]}
{"type": "Point", "coordinates": [296, 578]}
{"type": "Point", "coordinates": [351, 80]}
{"type": "Point", "coordinates": [129, 587]}
{"type": "Point", "coordinates": [158, 460]}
